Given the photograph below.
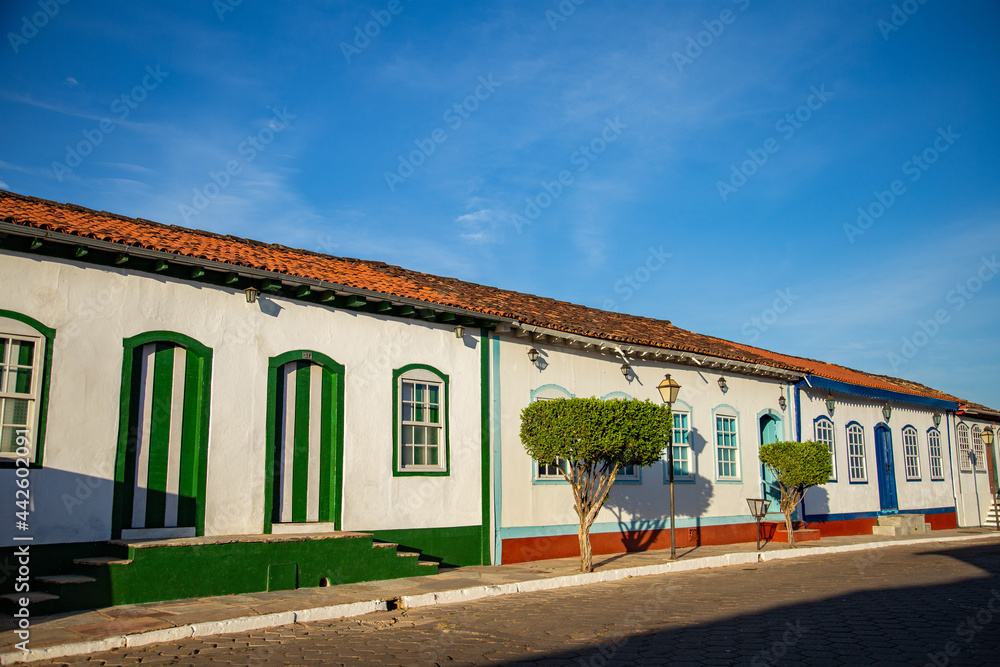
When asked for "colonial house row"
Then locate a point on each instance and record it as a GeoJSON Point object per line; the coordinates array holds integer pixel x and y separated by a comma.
{"type": "Point", "coordinates": [174, 390]}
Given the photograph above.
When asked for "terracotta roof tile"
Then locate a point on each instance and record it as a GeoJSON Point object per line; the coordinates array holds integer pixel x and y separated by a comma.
{"type": "Point", "coordinates": [399, 282]}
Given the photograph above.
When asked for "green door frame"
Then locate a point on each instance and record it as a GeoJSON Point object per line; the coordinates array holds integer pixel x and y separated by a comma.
{"type": "Point", "coordinates": [333, 417]}
{"type": "Point", "coordinates": [195, 428]}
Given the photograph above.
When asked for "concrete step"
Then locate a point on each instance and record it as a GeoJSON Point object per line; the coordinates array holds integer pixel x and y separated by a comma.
{"type": "Point", "coordinates": [901, 530]}
{"type": "Point", "coordinates": [61, 579]}
{"type": "Point", "coordinates": [907, 520]}
{"type": "Point", "coordinates": [34, 597]}
{"type": "Point", "coordinates": [98, 561]}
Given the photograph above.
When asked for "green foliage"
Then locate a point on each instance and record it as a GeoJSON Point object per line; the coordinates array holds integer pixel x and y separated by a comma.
{"type": "Point", "coordinates": [588, 431]}
{"type": "Point", "coordinates": [798, 464]}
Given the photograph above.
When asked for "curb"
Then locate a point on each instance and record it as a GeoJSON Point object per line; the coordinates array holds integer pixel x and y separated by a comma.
{"type": "Point", "coordinates": [347, 610]}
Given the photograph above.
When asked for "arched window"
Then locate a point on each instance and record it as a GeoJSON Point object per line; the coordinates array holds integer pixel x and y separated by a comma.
{"type": "Point", "coordinates": [856, 453]}
{"type": "Point", "coordinates": [934, 450]}
{"type": "Point", "coordinates": [824, 434]}
{"type": "Point", "coordinates": [911, 453]}
{"type": "Point", "coordinates": [964, 460]}
{"type": "Point", "coordinates": [683, 468]}
{"type": "Point", "coordinates": [979, 448]}
{"type": "Point", "coordinates": [422, 420]}
{"type": "Point", "coordinates": [550, 472]}
{"type": "Point", "coordinates": [727, 445]}
{"type": "Point", "coordinates": [25, 352]}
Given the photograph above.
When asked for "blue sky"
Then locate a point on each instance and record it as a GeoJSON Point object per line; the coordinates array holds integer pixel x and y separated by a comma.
{"type": "Point", "coordinates": [713, 156]}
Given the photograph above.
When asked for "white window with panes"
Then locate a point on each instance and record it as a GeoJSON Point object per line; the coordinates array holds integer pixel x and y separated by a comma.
{"type": "Point", "coordinates": [727, 448]}
{"type": "Point", "coordinates": [911, 453]}
{"type": "Point", "coordinates": [964, 448]}
{"type": "Point", "coordinates": [857, 469]}
{"type": "Point", "coordinates": [20, 385]}
{"type": "Point", "coordinates": [683, 469]}
{"type": "Point", "coordinates": [935, 459]}
{"type": "Point", "coordinates": [552, 471]}
{"type": "Point", "coordinates": [422, 423]}
{"type": "Point", "coordinates": [979, 448]}
{"type": "Point", "coordinates": [824, 434]}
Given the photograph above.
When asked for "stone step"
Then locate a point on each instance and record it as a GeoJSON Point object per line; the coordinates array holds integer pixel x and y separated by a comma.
{"type": "Point", "coordinates": [901, 530]}
{"type": "Point", "coordinates": [98, 561]}
{"type": "Point", "coordinates": [34, 597]}
{"type": "Point", "coordinates": [407, 554]}
{"type": "Point", "coordinates": [60, 579]}
{"type": "Point", "coordinates": [427, 563]}
{"type": "Point", "coordinates": [908, 520]}
{"type": "Point", "coordinates": [384, 545]}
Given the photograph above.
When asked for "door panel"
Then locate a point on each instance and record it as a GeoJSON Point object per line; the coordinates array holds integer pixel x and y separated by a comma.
{"type": "Point", "coordinates": [305, 437]}
{"type": "Point", "coordinates": [886, 470]}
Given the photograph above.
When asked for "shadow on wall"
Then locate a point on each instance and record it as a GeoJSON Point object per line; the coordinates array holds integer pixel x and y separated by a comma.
{"type": "Point", "coordinates": [815, 501]}
{"type": "Point", "coordinates": [642, 509]}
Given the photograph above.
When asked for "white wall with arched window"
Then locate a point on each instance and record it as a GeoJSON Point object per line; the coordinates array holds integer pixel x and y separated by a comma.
{"type": "Point", "coordinates": [823, 432]}
{"type": "Point", "coordinates": [911, 454]}
{"type": "Point", "coordinates": [964, 447]}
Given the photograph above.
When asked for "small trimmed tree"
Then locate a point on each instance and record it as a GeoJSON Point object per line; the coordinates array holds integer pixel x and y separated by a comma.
{"type": "Point", "coordinates": [594, 439]}
{"type": "Point", "coordinates": [797, 466]}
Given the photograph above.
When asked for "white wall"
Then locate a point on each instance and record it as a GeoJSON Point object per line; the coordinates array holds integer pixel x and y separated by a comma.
{"type": "Point", "coordinates": [973, 487]}
{"type": "Point", "coordinates": [584, 374]}
{"type": "Point", "coordinates": [94, 309]}
{"type": "Point", "coordinates": [845, 497]}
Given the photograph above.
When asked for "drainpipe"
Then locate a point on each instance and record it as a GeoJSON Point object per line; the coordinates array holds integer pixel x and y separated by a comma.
{"type": "Point", "coordinates": [951, 466]}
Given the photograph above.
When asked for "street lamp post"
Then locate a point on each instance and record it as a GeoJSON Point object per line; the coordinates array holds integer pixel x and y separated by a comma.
{"type": "Point", "coordinates": [668, 389]}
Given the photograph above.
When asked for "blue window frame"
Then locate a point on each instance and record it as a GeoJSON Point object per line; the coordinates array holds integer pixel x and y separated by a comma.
{"type": "Point", "coordinates": [727, 445]}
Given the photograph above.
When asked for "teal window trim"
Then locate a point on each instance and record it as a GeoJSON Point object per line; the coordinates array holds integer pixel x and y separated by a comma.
{"type": "Point", "coordinates": [48, 335]}
{"type": "Point", "coordinates": [864, 453]}
{"type": "Point", "coordinates": [829, 424]}
{"type": "Point", "coordinates": [398, 375]}
{"type": "Point", "coordinates": [616, 394]}
{"type": "Point", "coordinates": [535, 395]}
{"type": "Point", "coordinates": [629, 480]}
{"type": "Point", "coordinates": [727, 411]}
{"type": "Point", "coordinates": [909, 430]}
{"type": "Point", "coordinates": [684, 408]}
{"type": "Point", "coordinates": [935, 434]}
{"type": "Point", "coordinates": [274, 364]}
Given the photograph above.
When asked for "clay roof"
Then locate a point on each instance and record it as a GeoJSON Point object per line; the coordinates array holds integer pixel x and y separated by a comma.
{"type": "Point", "coordinates": [399, 282]}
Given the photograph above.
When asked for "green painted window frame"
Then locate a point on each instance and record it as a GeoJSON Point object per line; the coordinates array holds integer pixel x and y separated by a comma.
{"type": "Point", "coordinates": [204, 355]}
{"type": "Point", "coordinates": [444, 469]}
{"type": "Point", "coordinates": [274, 364]}
{"type": "Point", "coordinates": [47, 335]}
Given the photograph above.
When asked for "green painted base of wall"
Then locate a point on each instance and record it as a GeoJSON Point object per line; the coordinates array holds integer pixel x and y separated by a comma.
{"type": "Point", "coordinates": [450, 547]}
{"type": "Point", "coordinates": [177, 572]}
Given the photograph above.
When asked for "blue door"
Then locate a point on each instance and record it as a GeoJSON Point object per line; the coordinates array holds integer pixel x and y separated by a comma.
{"type": "Point", "coordinates": [769, 486]}
{"type": "Point", "coordinates": [886, 471]}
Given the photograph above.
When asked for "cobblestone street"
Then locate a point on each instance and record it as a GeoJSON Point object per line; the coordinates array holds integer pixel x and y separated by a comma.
{"type": "Point", "coordinates": [916, 604]}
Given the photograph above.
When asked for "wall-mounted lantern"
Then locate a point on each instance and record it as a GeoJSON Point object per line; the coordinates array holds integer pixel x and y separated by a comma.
{"type": "Point", "coordinates": [830, 403]}
{"type": "Point", "coordinates": [782, 402]}
{"type": "Point", "coordinates": [887, 412]}
{"type": "Point", "coordinates": [533, 355]}
{"type": "Point", "coordinates": [252, 294]}
{"type": "Point", "coordinates": [722, 385]}
{"type": "Point", "coordinates": [937, 419]}
{"type": "Point", "coordinates": [459, 331]}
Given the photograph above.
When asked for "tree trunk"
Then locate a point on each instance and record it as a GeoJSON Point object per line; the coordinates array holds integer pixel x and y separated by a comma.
{"type": "Point", "coordinates": [586, 553]}
{"type": "Point", "coordinates": [788, 527]}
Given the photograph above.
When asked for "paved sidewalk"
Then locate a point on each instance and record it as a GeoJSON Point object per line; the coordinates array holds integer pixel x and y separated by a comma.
{"type": "Point", "coordinates": [136, 625]}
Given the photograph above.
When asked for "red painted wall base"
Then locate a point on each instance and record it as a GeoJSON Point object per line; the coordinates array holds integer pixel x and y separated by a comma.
{"type": "Point", "coordinates": [524, 549]}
